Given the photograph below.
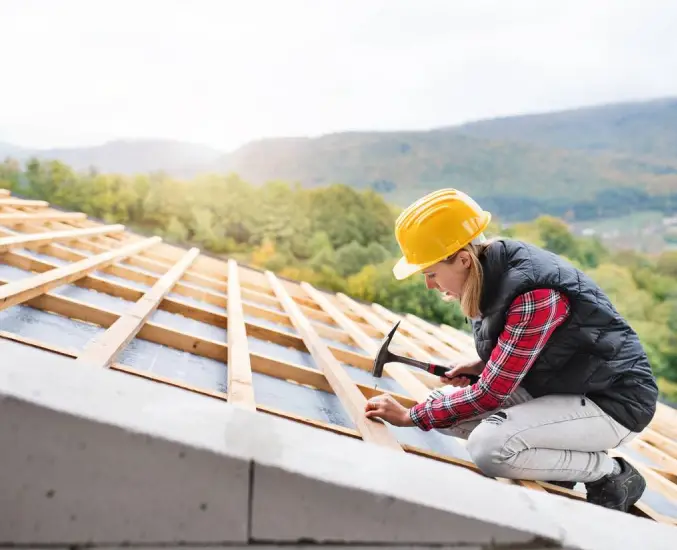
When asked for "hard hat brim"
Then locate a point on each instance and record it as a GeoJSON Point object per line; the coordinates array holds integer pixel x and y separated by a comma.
{"type": "Point", "coordinates": [403, 269]}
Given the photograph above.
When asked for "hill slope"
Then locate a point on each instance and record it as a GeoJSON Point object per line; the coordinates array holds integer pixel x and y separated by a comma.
{"type": "Point", "coordinates": [644, 128]}
{"type": "Point", "coordinates": [559, 163]}
{"type": "Point", "coordinates": [584, 163]}
{"type": "Point", "coordinates": [405, 163]}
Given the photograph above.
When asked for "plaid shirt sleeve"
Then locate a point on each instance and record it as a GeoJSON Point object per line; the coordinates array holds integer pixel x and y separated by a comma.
{"type": "Point", "coordinates": [531, 319]}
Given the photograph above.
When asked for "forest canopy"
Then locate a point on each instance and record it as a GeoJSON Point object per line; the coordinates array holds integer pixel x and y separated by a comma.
{"type": "Point", "coordinates": [341, 239]}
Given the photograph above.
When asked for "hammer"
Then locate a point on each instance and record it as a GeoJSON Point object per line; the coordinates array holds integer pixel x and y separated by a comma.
{"type": "Point", "coordinates": [384, 356]}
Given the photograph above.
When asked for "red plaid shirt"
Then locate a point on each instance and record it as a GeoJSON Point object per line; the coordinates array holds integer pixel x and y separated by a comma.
{"type": "Point", "coordinates": [531, 319]}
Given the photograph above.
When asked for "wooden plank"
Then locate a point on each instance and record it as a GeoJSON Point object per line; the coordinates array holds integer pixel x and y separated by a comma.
{"type": "Point", "coordinates": [640, 509]}
{"type": "Point", "coordinates": [458, 344]}
{"type": "Point", "coordinates": [14, 202]}
{"type": "Point", "coordinates": [403, 376]}
{"type": "Point", "coordinates": [459, 335]}
{"type": "Point", "coordinates": [667, 464]}
{"type": "Point", "coordinates": [18, 292]}
{"type": "Point", "coordinates": [665, 421]}
{"type": "Point", "coordinates": [204, 347]}
{"type": "Point", "coordinates": [240, 386]}
{"type": "Point", "coordinates": [188, 309]}
{"type": "Point", "coordinates": [102, 351]}
{"type": "Point", "coordinates": [402, 344]}
{"type": "Point", "coordinates": [422, 336]}
{"type": "Point", "coordinates": [21, 241]}
{"type": "Point", "coordinates": [665, 444]}
{"type": "Point", "coordinates": [346, 390]}
{"type": "Point", "coordinates": [19, 218]}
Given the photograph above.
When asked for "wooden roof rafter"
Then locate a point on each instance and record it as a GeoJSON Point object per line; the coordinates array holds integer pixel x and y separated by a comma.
{"type": "Point", "coordinates": [102, 351]}
{"type": "Point", "coordinates": [349, 325]}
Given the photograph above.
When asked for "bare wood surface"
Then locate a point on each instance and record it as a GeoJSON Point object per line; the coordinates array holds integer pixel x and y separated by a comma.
{"type": "Point", "coordinates": [13, 202]}
{"type": "Point", "coordinates": [19, 218]}
{"type": "Point", "coordinates": [640, 509]}
{"type": "Point", "coordinates": [402, 344]}
{"type": "Point", "coordinates": [102, 351]}
{"type": "Point", "coordinates": [461, 345]}
{"type": "Point", "coordinates": [21, 241]}
{"type": "Point", "coordinates": [412, 385]}
{"type": "Point", "coordinates": [240, 386]}
{"type": "Point", "coordinates": [344, 387]}
{"type": "Point", "coordinates": [20, 291]}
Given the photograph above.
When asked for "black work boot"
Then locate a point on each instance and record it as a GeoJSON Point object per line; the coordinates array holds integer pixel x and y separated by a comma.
{"type": "Point", "coordinates": [619, 491]}
{"type": "Point", "coordinates": [565, 484]}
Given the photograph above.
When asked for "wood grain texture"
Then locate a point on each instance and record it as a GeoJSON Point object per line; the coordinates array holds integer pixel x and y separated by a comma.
{"type": "Point", "coordinates": [240, 385]}
{"type": "Point", "coordinates": [346, 390]}
{"type": "Point", "coordinates": [102, 351]}
{"type": "Point", "coordinates": [39, 239]}
{"type": "Point", "coordinates": [403, 376]}
{"type": "Point", "coordinates": [20, 291]}
{"type": "Point", "coordinates": [19, 218]}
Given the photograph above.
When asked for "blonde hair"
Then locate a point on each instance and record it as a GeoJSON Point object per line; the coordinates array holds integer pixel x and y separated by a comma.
{"type": "Point", "coordinates": [471, 294]}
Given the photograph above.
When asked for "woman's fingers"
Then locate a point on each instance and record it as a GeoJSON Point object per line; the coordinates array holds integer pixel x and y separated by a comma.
{"type": "Point", "coordinates": [375, 406]}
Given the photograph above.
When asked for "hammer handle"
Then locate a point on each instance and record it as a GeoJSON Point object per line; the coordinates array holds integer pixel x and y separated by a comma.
{"type": "Point", "coordinates": [441, 370]}
{"type": "Point", "coordinates": [438, 370]}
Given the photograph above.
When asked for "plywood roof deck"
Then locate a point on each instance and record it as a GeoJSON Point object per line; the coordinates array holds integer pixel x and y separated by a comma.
{"type": "Point", "coordinates": [108, 298]}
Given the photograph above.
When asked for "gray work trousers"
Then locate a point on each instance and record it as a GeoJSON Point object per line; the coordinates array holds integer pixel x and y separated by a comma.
{"type": "Point", "coordinates": [551, 438]}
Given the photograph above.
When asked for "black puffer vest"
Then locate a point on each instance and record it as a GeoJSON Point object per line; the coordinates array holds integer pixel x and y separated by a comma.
{"type": "Point", "coordinates": [595, 353]}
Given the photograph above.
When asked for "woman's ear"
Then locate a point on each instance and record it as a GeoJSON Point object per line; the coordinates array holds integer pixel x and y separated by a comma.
{"type": "Point", "coordinates": [465, 259]}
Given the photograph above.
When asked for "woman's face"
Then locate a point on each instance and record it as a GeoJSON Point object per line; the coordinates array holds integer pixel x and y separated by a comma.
{"type": "Point", "coordinates": [449, 276]}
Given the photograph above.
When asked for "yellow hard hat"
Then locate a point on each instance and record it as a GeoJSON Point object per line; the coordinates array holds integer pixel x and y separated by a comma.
{"type": "Point", "coordinates": [435, 227]}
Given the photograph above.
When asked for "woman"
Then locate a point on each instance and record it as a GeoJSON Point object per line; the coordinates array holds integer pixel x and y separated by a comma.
{"type": "Point", "coordinates": [563, 377]}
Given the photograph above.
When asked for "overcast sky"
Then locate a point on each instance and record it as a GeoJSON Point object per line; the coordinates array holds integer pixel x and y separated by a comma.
{"type": "Point", "coordinates": [224, 72]}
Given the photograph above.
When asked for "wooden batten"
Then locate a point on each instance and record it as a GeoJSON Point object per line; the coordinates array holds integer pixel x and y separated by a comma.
{"type": "Point", "coordinates": [422, 336]}
{"type": "Point", "coordinates": [346, 390]}
{"type": "Point", "coordinates": [102, 351]}
{"type": "Point", "coordinates": [39, 239]}
{"type": "Point", "coordinates": [22, 203]}
{"type": "Point", "coordinates": [402, 344]}
{"type": "Point", "coordinates": [459, 345]}
{"type": "Point", "coordinates": [412, 385]}
{"type": "Point", "coordinates": [240, 387]}
{"type": "Point", "coordinates": [20, 218]}
{"type": "Point", "coordinates": [238, 291]}
{"type": "Point", "coordinates": [20, 291]}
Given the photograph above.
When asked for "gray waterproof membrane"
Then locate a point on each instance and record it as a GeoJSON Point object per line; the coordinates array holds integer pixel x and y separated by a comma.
{"type": "Point", "coordinates": [270, 324]}
{"type": "Point", "coordinates": [84, 251]}
{"type": "Point", "coordinates": [45, 257]}
{"type": "Point", "coordinates": [204, 372]}
{"type": "Point", "coordinates": [126, 282]}
{"type": "Point", "coordinates": [48, 328]}
{"type": "Point", "coordinates": [156, 272]}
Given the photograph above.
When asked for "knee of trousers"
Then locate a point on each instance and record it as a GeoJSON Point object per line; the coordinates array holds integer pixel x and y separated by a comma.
{"type": "Point", "coordinates": [487, 446]}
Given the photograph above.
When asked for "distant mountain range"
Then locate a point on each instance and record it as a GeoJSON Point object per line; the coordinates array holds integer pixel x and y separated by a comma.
{"type": "Point", "coordinates": [127, 156]}
{"type": "Point", "coordinates": [522, 165]}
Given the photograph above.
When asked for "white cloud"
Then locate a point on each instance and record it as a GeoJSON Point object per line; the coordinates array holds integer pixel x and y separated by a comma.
{"type": "Point", "coordinates": [224, 72]}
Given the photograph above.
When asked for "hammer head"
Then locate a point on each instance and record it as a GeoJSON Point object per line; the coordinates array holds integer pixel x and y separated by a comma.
{"type": "Point", "coordinates": [383, 356]}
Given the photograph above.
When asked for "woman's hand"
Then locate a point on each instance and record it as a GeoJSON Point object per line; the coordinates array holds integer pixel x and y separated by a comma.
{"type": "Point", "coordinates": [389, 409]}
{"type": "Point", "coordinates": [454, 376]}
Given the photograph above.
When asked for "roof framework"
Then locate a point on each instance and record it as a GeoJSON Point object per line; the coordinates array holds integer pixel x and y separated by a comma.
{"type": "Point", "coordinates": [108, 298]}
